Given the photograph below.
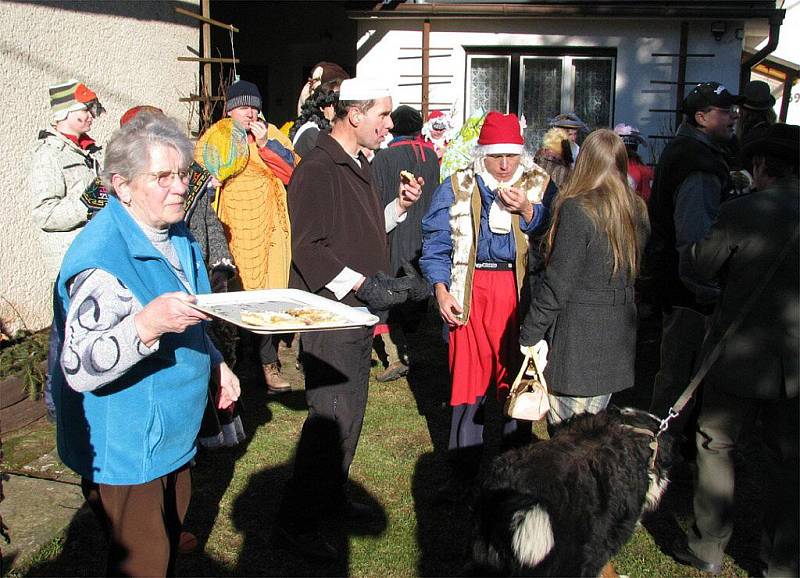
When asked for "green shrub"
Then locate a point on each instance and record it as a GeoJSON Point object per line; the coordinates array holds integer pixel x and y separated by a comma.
{"type": "Point", "coordinates": [23, 356]}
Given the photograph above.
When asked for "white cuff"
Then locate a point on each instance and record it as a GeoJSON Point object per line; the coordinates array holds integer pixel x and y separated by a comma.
{"type": "Point", "coordinates": [392, 216]}
{"type": "Point", "coordinates": [343, 283]}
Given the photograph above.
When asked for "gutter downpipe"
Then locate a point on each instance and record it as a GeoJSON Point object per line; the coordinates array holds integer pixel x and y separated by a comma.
{"type": "Point", "coordinates": [775, 21]}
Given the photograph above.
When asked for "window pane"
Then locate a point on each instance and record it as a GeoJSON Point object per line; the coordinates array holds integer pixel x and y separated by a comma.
{"type": "Point", "coordinates": [541, 96]}
{"type": "Point", "coordinates": [593, 80]}
{"type": "Point", "coordinates": [488, 84]}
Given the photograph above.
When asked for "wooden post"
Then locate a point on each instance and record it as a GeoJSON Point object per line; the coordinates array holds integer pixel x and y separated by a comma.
{"type": "Point", "coordinates": [205, 6]}
{"type": "Point", "coordinates": [426, 53]}
{"type": "Point", "coordinates": [680, 88]}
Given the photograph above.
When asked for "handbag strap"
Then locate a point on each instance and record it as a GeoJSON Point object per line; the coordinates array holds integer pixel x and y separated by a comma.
{"type": "Point", "coordinates": [712, 356]}
{"type": "Point", "coordinates": [518, 381]}
{"type": "Point", "coordinates": [525, 362]}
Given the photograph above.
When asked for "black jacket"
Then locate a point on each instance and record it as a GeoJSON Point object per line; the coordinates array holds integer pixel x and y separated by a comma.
{"type": "Point", "coordinates": [687, 153]}
{"type": "Point", "coordinates": [405, 241]}
{"type": "Point", "coordinates": [760, 360]}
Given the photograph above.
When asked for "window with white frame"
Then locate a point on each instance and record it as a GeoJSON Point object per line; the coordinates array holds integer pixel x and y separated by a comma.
{"type": "Point", "coordinates": [541, 83]}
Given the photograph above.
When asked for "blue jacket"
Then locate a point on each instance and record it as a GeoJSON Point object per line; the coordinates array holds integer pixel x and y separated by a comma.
{"type": "Point", "coordinates": [437, 244]}
{"type": "Point", "coordinates": [144, 424]}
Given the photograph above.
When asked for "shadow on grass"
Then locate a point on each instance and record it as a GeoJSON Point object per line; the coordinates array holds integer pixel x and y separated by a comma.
{"type": "Point", "coordinates": [254, 511]}
{"type": "Point", "coordinates": [444, 517]}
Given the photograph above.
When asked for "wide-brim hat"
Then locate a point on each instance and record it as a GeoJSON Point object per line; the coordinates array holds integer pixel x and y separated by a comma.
{"type": "Point", "coordinates": [568, 120]}
{"type": "Point", "coordinates": [780, 140]}
{"type": "Point", "coordinates": [630, 135]}
{"type": "Point", "coordinates": [757, 96]}
{"type": "Point", "coordinates": [501, 134]}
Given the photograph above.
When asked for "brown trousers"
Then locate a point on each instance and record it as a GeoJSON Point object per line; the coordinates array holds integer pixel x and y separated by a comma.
{"type": "Point", "coordinates": [142, 522]}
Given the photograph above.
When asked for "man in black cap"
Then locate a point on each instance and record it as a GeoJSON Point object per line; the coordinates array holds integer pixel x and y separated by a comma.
{"type": "Point", "coordinates": [691, 179]}
{"type": "Point", "coordinates": [406, 152]}
{"type": "Point", "coordinates": [756, 372]}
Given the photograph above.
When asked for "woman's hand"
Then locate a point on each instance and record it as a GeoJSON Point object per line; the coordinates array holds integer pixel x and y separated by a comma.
{"type": "Point", "coordinates": [538, 351]}
{"type": "Point", "coordinates": [229, 389]}
{"type": "Point", "coordinates": [167, 313]}
{"type": "Point", "coordinates": [449, 308]}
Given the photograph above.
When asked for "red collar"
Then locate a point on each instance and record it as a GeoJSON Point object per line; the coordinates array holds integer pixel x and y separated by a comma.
{"type": "Point", "coordinates": [84, 141]}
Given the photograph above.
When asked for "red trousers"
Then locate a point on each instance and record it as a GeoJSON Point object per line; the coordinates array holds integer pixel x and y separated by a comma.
{"type": "Point", "coordinates": [486, 349]}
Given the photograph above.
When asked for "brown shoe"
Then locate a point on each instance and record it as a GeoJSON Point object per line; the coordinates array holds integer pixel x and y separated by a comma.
{"type": "Point", "coordinates": [275, 381]}
{"type": "Point", "coordinates": [396, 370]}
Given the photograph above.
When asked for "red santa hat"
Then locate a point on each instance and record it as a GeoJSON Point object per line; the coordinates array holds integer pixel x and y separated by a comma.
{"type": "Point", "coordinates": [501, 134]}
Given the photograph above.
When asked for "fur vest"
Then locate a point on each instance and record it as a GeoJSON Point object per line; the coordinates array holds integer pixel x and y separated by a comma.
{"type": "Point", "coordinates": [465, 216]}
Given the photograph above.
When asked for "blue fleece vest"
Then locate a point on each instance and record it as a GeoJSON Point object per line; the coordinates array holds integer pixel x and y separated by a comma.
{"type": "Point", "coordinates": [144, 424]}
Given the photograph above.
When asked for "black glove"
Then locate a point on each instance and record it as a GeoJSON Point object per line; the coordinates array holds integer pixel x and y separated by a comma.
{"type": "Point", "coordinates": [419, 289]}
{"type": "Point", "coordinates": [381, 292]}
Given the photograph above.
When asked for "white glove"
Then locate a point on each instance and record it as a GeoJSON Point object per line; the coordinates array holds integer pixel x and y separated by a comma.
{"type": "Point", "coordinates": [538, 351]}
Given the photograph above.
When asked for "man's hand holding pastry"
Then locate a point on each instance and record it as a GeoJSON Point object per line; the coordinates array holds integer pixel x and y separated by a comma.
{"type": "Point", "coordinates": [516, 201]}
{"type": "Point", "coordinates": [409, 192]}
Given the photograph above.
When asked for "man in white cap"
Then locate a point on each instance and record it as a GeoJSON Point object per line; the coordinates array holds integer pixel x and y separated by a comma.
{"type": "Point", "coordinates": [340, 251]}
{"type": "Point", "coordinates": [474, 253]}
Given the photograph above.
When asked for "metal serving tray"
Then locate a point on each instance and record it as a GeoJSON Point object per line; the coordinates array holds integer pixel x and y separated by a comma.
{"type": "Point", "coordinates": [229, 306]}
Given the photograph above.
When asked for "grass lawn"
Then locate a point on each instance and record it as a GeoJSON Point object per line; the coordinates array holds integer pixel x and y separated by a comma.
{"type": "Point", "coordinates": [399, 466]}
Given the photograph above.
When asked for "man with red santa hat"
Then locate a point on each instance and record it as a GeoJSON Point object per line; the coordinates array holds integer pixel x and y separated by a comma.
{"type": "Point", "coordinates": [475, 247]}
{"type": "Point", "coordinates": [436, 131]}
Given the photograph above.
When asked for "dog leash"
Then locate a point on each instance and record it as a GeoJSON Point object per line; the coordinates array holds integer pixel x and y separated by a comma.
{"type": "Point", "coordinates": [709, 360]}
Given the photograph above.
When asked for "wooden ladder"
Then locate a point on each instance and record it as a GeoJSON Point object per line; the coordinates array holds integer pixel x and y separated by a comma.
{"type": "Point", "coordinates": [206, 96]}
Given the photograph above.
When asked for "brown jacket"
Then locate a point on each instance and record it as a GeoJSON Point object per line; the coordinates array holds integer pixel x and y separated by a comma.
{"type": "Point", "coordinates": [337, 220]}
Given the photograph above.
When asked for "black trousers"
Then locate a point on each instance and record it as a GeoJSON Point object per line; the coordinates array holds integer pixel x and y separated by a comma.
{"type": "Point", "coordinates": [268, 348]}
{"type": "Point", "coordinates": [336, 365]}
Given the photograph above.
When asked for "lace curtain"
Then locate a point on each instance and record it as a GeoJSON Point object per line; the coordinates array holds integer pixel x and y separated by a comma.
{"type": "Point", "coordinates": [488, 84]}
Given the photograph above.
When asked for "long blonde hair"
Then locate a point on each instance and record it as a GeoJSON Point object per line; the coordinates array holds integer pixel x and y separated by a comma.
{"type": "Point", "coordinates": [599, 182]}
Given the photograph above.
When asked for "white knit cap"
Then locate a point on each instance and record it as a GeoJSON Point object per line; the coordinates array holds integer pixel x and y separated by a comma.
{"type": "Point", "coordinates": [355, 89]}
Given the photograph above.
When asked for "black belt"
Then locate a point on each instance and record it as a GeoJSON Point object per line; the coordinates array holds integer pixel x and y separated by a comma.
{"type": "Point", "coordinates": [499, 266]}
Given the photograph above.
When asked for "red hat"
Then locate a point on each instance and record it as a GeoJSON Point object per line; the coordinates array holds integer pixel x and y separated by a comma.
{"type": "Point", "coordinates": [501, 133]}
{"type": "Point", "coordinates": [132, 112]}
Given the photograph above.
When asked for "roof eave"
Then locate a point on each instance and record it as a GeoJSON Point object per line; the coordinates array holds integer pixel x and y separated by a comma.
{"type": "Point", "coordinates": [594, 10]}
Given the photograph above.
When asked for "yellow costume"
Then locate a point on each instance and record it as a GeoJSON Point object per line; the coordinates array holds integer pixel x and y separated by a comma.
{"type": "Point", "coordinates": [252, 207]}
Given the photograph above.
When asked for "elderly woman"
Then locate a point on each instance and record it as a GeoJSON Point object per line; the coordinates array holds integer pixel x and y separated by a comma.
{"type": "Point", "coordinates": [136, 359]}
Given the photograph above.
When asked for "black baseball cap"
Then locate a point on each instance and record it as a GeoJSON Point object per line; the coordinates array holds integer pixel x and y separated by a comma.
{"type": "Point", "coordinates": [709, 94]}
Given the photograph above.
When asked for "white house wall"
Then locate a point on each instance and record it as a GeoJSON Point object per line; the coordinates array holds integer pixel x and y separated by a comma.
{"type": "Point", "coordinates": [126, 52]}
{"type": "Point", "coordinates": [383, 42]}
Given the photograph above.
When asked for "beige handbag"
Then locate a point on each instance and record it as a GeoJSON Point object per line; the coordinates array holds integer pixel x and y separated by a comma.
{"type": "Point", "coordinates": [527, 398]}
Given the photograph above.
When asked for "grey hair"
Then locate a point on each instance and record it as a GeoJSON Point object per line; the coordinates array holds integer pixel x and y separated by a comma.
{"type": "Point", "coordinates": [479, 156]}
{"type": "Point", "coordinates": [128, 150]}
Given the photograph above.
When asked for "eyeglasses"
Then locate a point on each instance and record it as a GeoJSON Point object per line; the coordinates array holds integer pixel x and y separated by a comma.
{"type": "Point", "coordinates": [734, 109]}
{"type": "Point", "coordinates": [166, 178]}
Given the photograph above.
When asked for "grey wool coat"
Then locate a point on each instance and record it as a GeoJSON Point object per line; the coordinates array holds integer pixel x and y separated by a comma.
{"type": "Point", "coordinates": [760, 359]}
{"type": "Point", "coordinates": [590, 311]}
